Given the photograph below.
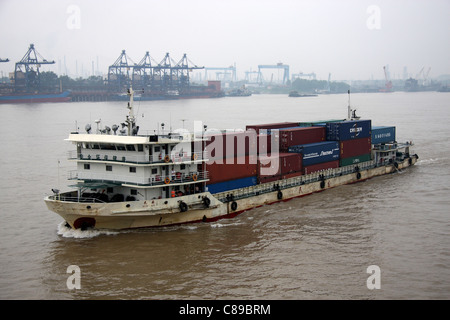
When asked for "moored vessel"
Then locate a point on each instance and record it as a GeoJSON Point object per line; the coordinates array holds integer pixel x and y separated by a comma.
{"type": "Point", "coordinates": [125, 180]}
{"type": "Point", "coordinates": [35, 97]}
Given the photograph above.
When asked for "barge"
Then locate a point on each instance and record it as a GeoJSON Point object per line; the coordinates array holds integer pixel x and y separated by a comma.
{"type": "Point", "coordinates": [124, 180]}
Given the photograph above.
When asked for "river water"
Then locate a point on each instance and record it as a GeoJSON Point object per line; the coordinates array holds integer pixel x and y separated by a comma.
{"type": "Point", "coordinates": [316, 247]}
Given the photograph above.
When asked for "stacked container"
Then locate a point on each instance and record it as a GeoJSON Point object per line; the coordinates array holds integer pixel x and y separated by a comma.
{"type": "Point", "coordinates": [383, 135]}
{"type": "Point", "coordinates": [315, 153]}
{"type": "Point", "coordinates": [347, 130]}
{"type": "Point", "coordinates": [300, 135]}
{"type": "Point", "coordinates": [355, 140]}
{"type": "Point", "coordinates": [286, 165]}
{"type": "Point", "coordinates": [269, 126]}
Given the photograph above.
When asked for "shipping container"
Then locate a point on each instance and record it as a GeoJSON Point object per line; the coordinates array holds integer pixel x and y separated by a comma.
{"type": "Point", "coordinates": [232, 144]}
{"type": "Point", "coordinates": [268, 126]}
{"type": "Point", "coordinates": [383, 134]}
{"type": "Point", "coordinates": [232, 184]}
{"type": "Point", "coordinates": [301, 135]}
{"type": "Point", "coordinates": [320, 167]}
{"type": "Point", "coordinates": [317, 123]}
{"type": "Point", "coordinates": [285, 163]}
{"type": "Point", "coordinates": [315, 153]}
{"type": "Point", "coordinates": [355, 147]}
{"type": "Point", "coordinates": [355, 160]}
{"type": "Point", "coordinates": [265, 143]}
{"type": "Point", "coordinates": [347, 130]}
{"type": "Point", "coordinates": [232, 169]}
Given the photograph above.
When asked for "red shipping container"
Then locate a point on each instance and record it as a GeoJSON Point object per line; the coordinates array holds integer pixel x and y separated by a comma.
{"type": "Point", "coordinates": [355, 147]}
{"type": "Point", "coordinates": [285, 164]}
{"type": "Point", "coordinates": [320, 166]}
{"type": "Point", "coordinates": [229, 145]}
{"type": "Point", "coordinates": [242, 167]}
{"type": "Point", "coordinates": [301, 135]}
{"type": "Point", "coordinates": [280, 125]}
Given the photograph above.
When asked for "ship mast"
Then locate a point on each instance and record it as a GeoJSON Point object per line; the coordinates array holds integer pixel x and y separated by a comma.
{"type": "Point", "coordinates": [351, 114]}
{"type": "Point", "coordinates": [131, 119]}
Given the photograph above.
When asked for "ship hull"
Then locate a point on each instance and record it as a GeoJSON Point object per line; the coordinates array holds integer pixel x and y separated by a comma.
{"type": "Point", "coordinates": [36, 98]}
{"type": "Point", "coordinates": [166, 212]}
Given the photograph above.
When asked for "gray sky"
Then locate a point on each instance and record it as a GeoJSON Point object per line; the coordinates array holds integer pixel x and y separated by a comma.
{"type": "Point", "coordinates": [351, 39]}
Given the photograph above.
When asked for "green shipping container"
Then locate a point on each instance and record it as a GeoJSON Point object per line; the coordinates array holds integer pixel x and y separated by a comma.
{"type": "Point", "coordinates": [355, 160]}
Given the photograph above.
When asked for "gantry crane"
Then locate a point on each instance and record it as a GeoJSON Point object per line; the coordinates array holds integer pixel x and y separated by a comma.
{"type": "Point", "coordinates": [26, 72]}
{"type": "Point", "coordinates": [388, 83]}
{"type": "Point", "coordinates": [119, 73]}
{"type": "Point", "coordinates": [277, 66]}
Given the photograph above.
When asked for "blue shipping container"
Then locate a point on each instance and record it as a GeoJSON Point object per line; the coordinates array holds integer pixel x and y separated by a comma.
{"type": "Point", "coordinates": [314, 153]}
{"type": "Point", "coordinates": [347, 130]}
{"type": "Point", "coordinates": [383, 134]}
{"type": "Point", "coordinates": [232, 184]}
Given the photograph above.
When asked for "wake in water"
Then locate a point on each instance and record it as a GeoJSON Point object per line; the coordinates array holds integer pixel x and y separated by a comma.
{"type": "Point", "coordinates": [67, 232]}
{"type": "Point", "coordinates": [425, 162]}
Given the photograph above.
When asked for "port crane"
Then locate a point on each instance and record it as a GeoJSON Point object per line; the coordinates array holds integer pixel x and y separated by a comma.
{"type": "Point", "coordinates": [143, 72]}
{"type": "Point", "coordinates": [26, 72]}
{"type": "Point", "coordinates": [119, 73]}
{"type": "Point", "coordinates": [4, 60]}
{"type": "Point", "coordinates": [225, 71]}
{"type": "Point", "coordinates": [180, 73]}
{"type": "Point", "coordinates": [279, 65]}
{"type": "Point", "coordinates": [388, 83]}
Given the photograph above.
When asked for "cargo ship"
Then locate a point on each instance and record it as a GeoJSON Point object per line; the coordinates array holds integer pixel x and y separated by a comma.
{"type": "Point", "coordinates": [124, 180]}
{"type": "Point", "coordinates": [36, 97]}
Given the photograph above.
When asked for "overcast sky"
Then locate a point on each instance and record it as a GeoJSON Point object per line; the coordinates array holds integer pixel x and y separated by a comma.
{"type": "Point", "coordinates": [351, 39]}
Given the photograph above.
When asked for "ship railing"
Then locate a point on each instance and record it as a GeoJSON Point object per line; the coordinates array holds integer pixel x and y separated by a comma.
{"type": "Point", "coordinates": [154, 180]}
{"type": "Point", "coordinates": [59, 197]}
{"type": "Point", "coordinates": [293, 182]}
{"type": "Point", "coordinates": [137, 159]}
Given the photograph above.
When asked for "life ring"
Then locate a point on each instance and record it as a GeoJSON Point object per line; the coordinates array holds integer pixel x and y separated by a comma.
{"type": "Point", "coordinates": [194, 177]}
{"type": "Point", "coordinates": [183, 206]}
{"type": "Point", "coordinates": [234, 205]}
{"type": "Point", "coordinates": [194, 156]}
{"type": "Point", "coordinates": [358, 175]}
{"type": "Point", "coordinates": [207, 202]}
{"type": "Point", "coordinates": [166, 180]}
{"type": "Point", "coordinates": [166, 159]}
{"type": "Point", "coordinates": [279, 195]}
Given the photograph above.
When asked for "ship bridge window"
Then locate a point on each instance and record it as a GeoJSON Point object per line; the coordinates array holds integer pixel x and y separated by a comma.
{"type": "Point", "coordinates": [157, 149]}
{"type": "Point", "coordinates": [131, 147]}
{"type": "Point", "coordinates": [121, 147]}
{"type": "Point", "coordinates": [140, 147]}
{"type": "Point", "coordinates": [107, 146]}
